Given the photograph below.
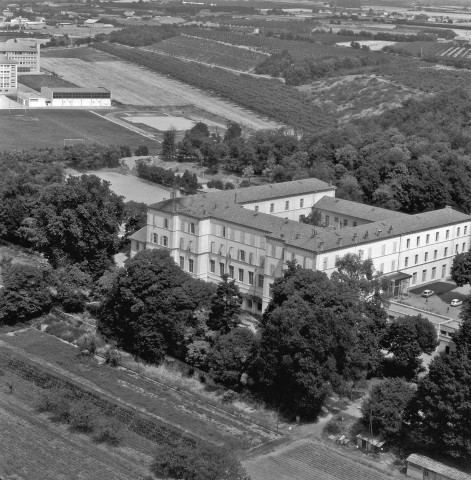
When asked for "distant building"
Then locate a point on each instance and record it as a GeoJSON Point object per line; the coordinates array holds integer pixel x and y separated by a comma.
{"type": "Point", "coordinates": [31, 100]}
{"type": "Point", "coordinates": [8, 75]}
{"type": "Point", "coordinates": [26, 56]}
{"type": "Point", "coordinates": [77, 97]}
{"type": "Point", "coordinates": [421, 467]}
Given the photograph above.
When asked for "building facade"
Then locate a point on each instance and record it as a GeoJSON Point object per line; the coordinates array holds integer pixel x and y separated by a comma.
{"type": "Point", "coordinates": [77, 97]}
{"type": "Point", "coordinates": [216, 233]}
{"type": "Point", "coordinates": [26, 56]}
{"type": "Point", "coordinates": [8, 75]}
{"type": "Point", "coordinates": [421, 467]}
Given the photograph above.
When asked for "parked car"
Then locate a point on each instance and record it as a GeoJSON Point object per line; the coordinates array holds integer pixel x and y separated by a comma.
{"type": "Point", "coordinates": [427, 293]}
{"type": "Point", "coordinates": [456, 303]}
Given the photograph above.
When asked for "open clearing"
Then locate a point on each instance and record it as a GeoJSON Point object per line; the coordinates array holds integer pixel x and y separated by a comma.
{"type": "Point", "coordinates": [43, 129]}
{"type": "Point", "coordinates": [154, 90]}
{"type": "Point", "coordinates": [133, 188]}
{"type": "Point", "coordinates": [162, 123]}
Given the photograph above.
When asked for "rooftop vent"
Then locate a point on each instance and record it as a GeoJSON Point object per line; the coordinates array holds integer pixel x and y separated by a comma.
{"type": "Point", "coordinates": [390, 229]}
{"type": "Point", "coordinates": [298, 235]}
{"type": "Point", "coordinates": [366, 235]}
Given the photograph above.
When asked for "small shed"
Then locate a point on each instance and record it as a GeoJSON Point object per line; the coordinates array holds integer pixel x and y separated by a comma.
{"type": "Point", "coordinates": [369, 443]}
{"type": "Point", "coordinates": [420, 467]}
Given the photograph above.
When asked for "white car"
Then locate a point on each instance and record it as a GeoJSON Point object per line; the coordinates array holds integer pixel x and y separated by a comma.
{"type": "Point", "coordinates": [427, 293]}
{"type": "Point", "coordinates": [455, 302]}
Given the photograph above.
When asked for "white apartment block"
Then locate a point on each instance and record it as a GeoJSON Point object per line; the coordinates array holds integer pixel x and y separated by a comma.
{"type": "Point", "coordinates": [26, 56]}
{"type": "Point", "coordinates": [215, 233]}
{"type": "Point", "coordinates": [8, 75]}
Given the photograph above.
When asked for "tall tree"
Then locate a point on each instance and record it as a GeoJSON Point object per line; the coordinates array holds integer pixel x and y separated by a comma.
{"type": "Point", "coordinates": [168, 145]}
{"type": "Point", "coordinates": [225, 306]}
{"type": "Point", "coordinates": [77, 222]}
{"type": "Point", "coordinates": [461, 269]}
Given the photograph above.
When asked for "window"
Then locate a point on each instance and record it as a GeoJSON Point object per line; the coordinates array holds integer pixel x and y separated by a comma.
{"type": "Point", "coordinates": [249, 303]}
{"type": "Point", "coordinates": [251, 258]}
{"type": "Point", "coordinates": [416, 260]}
{"type": "Point", "coordinates": [427, 239]}
{"type": "Point", "coordinates": [165, 241]}
{"type": "Point", "coordinates": [426, 256]}
{"type": "Point", "coordinates": [381, 268]}
{"type": "Point", "coordinates": [456, 248]}
{"type": "Point", "coordinates": [369, 252]}
{"type": "Point", "coordinates": [272, 207]}
{"type": "Point", "coordinates": [223, 232]}
{"type": "Point", "coordinates": [261, 279]}
{"type": "Point", "coordinates": [355, 224]}
{"type": "Point", "coordinates": [327, 220]}
{"type": "Point", "coordinates": [273, 251]}
{"type": "Point", "coordinates": [182, 263]}
{"type": "Point", "coordinates": [435, 254]}
{"type": "Point", "coordinates": [383, 249]}
{"type": "Point", "coordinates": [252, 239]}
{"type": "Point", "coordinates": [242, 255]}
{"type": "Point", "coordinates": [325, 263]}
{"type": "Point", "coordinates": [192, 228]}
{"type": "Point", "coordinates": [406, 262]}
{"type": "Point", "coordinates": [155, 238]}
{"type": "Point", "coordinates": [241, 275]}
{"type": "Point", "coordinates": [465, 230]}
{"type": "Point", "coordinates": [222, 269]}
{"type": "Point", "coordinates": [437, 236]}
{"type": "Point", "coordinates": [182, 245]}
{"type": "Point", "coordinates": [231, 271]}
{"type": "Point", "coordinates": [445, 253]}
{"type": "Point", "coordinates": [443, 271]}
{"type": "Point", "coordinates": [212, 266]}
{"type": "Point", "coordinates": [165, 222]}
{"type": "Point", "coordinates": [272, 270]}
{"type": "Point", "coordinates": [414, 278]}
{"type": "Point", "coordinates": [256, 208]}
{"type": "Point", "coordinates": [301, 203]}
{"type": "Point", "coordinates": [447, 235]}
{"type": "Point", "coordinates": [424, 275]}
{"type": "Point", "coordinates": [259, 306]}
{"type": "Point", "coordinates": [242, 237]}
{"type": "Point", "coordinates": [434, 272]}
{"type": "Point", "coordinates": [458, 232]}
{"type": "Point", "coordinates": [463, 248]}
{"type": "Point", "coordinates": [250, 278]}
{"type": "Point", "coordinates": [418, 241]}
{"type": "Point", "coordinates": [408, 243]}
{"type": "Point", "coordinates": [191, 265]}
{"type": "Point", "coordinates": [336, 220]}
{"type": "Point", "coordinates": [345, 223]}
{"type": "Point", "coordinates": [393, 266]}
{"type": "Point", "coordinates": [287, 205]}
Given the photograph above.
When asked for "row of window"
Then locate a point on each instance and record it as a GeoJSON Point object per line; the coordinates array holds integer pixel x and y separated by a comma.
{"type": "Point", "coordinates": [435, 254]}
{"type": "Point", "coordinates": [241, 273]}
{"type": "Point", "coordinates": [231, 233]}
{"type": "Point", "coordinates": [191, 264]}
{"type": "Point", "coordinates": [343, 223]}
{"type": "Point", "coordinates": [433, 276]}
{"type": "Point", "coordinates": [287, 204]}
{"type": "Point", "coordinates": [437, 236]}
{"type": "Point", "coordinates": [163, 239]}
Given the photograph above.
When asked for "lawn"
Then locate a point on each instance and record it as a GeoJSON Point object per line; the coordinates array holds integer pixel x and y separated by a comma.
{"type": "Point", "coordinates": [43, 129]}
{"type": "Point", "coordinates": [37, 81]}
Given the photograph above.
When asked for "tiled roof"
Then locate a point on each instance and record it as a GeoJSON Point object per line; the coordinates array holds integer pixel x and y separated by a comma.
{"type": "Point", "coordinates": [305, 236]}
{"type": "Point", "coordinates": [272, 190]}
{"type": "Point", "coordinates": [434, 466]}
{"type": "Point", "coordinates": [140, 235]}
{"type": "Point", "coordinates": [357, 210]}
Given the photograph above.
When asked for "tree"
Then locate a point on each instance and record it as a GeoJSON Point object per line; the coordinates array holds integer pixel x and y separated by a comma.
{"type": "Point", "coordinates": [461, 269]}
{"type": "Point", "coordinates": [233, 132]}
{"type": "Point", "coordinates": [196, 462]}
{"type": "Point", "coordinates": [407, 338]}
{"type": "Point", "coordinates": [25, 294]}
{"type": "Point", "coordinates": [230, 354]}
{"type": "Point", "coordinates": [77, 223]}
{"type": "Point", "coordinates": [141, 150]}
{"type": "Point", "coordinates": [225, 306]}
{"type": "Point", "coordinates": [316, 334]}
{"type": "Point", "coordinates": [151, 304]}
{"type": "Point", "coordinates": [386, 405]}
{"type": "Point", "coordinates": [72, 286]}
{"type": "Point", "coordinates": [168, 145]}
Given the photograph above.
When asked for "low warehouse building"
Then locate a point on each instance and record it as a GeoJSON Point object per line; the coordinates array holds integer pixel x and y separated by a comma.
{"type": "Point", "coordinates": [30, 99]}
{"type": "Point", "coordinates": [422, 467]}
{"type": "Point", "coordinates": [77, 97]}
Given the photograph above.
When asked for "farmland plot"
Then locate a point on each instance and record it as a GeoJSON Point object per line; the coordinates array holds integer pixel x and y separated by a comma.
{"type": "Point", "coordinates": [153, 89]}
{"type": "Point", "coordinates": [311, 460]}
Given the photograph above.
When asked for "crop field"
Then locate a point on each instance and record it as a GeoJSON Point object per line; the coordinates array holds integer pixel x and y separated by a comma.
{"type": "Point", "coordinates": [173, 408]}
{"type": "Point", "coordinates": [298, 50]}
{"type": "Point", "coordinates": [37, 81]}
{"type": "Point", "coordinates": [208, 51]}
{"type": "Point", "coordinates": [459, 53]}
{"type": "Point", "coordinates": [154, 89]}
{"type": "Point", "coordinates": [84, 53]}
{"type": "Point", "coordinates": [311, 460]}
{"type": "Point", "coordinates": [417, 49]}
{"type": "Point", "coordinates": [42, 129]}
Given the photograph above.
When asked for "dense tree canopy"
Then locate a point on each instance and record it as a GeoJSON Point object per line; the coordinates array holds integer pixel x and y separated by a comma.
{"type": "Point", "coordinates": [151, 305]}
{"type": "Point", "coordinates": [225, 306]}
{"type": "Point", "coordinates": [316, 334]}
{"type": "Point", "coordinates": [77, 222]}
{"type": "Point", "coordinates": [461, 269]}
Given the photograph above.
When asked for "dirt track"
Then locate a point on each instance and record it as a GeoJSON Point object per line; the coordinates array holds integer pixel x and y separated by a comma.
{"type": "Point", "coordinates": [134, 85]}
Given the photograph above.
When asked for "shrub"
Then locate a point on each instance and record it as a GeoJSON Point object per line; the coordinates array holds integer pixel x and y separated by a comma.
{"type": "Point", "coordinates": [332, 428]}
{"type": "Point", "coordinates": [107, 430]}
{"type": "Point", "coordinates": [82, 416]}
{"type": "Point", "coordinates": [141, 150]}
{"type": "Point", "coordinates": [87, 344]}
{"type": "Point", "coordinates": [112, 357]}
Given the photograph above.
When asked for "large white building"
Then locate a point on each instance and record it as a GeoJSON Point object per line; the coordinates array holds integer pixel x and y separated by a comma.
{"type": "Point", "coordinates": [26, 56]}
{"type": "Point", "coordinates": [8, 75]}
{"type": "Point", "coordinates": [251, 233]}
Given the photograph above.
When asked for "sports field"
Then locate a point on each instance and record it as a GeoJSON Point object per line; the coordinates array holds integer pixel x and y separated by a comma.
{"type": "Point", "coordinates": [41, 129]}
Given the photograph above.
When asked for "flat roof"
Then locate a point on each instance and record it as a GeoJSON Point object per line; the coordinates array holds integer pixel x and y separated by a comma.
{"type": "Point", "coordinates": [77, 90]}
{"type": "Point", "coordinates": [16, 47]}
{"type": "Point", "coordinates": [434, 466]}
{"type": "Point", "coordinates": [272, 191]}
{"type": "Point", "coordinates": [4, 60]}
{"type": "Point", "coordinates": [357, 210]}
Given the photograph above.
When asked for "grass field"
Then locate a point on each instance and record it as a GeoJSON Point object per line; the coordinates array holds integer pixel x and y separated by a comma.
{"type": "Point", "coordinates": [171, 406]}
{"type": "Point", "coordinates": [154, 89]}
{"type": "Point", "coordinates": [37, 81]}
{"type": "Point", "coordinates": [42, 129]}
{"type": "Point", "coordinates": [84, 53]}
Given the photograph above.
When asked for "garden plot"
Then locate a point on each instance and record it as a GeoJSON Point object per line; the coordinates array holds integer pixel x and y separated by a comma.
{"type": "Point", "coordinates": [134, 85]}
